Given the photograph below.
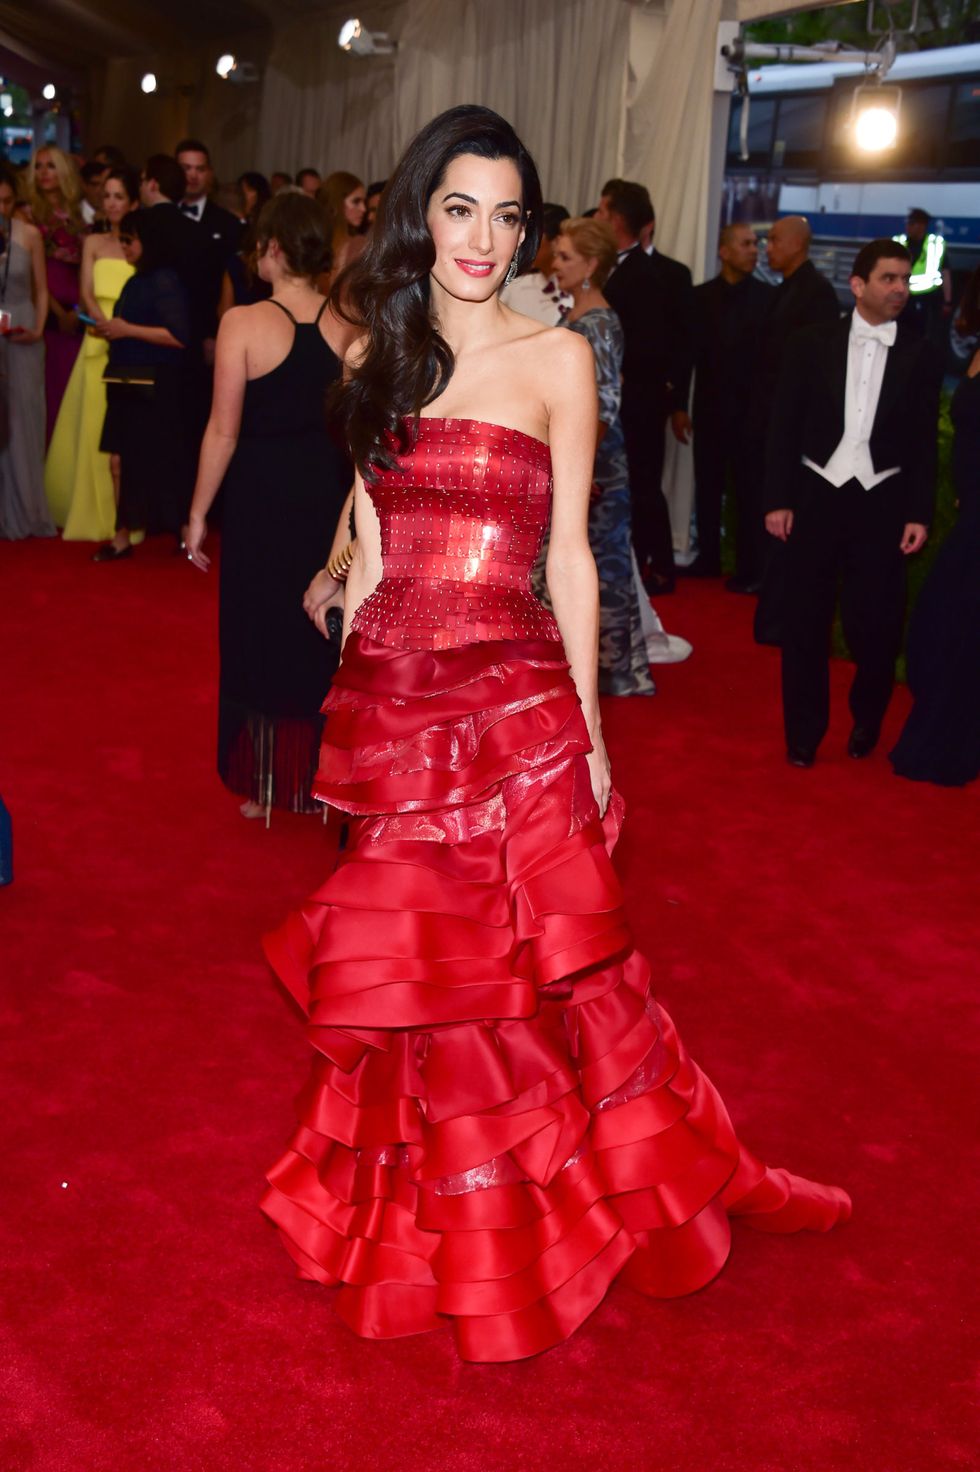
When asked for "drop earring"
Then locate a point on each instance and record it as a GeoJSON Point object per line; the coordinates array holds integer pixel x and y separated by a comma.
{"type": "Point", "coordinates": [586, 283]}
{"type": "Point", "coordinates": [511, 271]}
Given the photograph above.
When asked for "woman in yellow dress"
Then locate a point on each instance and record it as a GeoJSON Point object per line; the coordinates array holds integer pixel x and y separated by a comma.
{"type": "Point", "coordinates": [78, 478]}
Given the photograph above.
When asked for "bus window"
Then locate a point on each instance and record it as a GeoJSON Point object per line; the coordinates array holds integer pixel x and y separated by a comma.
{"type": "Point", "coordinates": [761, 114]}
{"type": "Point", "coordinates": [921, 127]}
{"type": "Point", "coordinates": [799, 132]}
{"type": "Point", "coordinates": [963, 144]}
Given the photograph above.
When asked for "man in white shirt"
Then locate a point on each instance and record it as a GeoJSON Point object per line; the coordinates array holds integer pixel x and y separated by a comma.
{"type": "Point", "coordinates": [850, 487]}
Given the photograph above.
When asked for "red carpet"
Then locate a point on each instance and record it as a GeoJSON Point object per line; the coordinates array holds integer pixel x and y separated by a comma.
{"type": "Point", "coordinates": [813, 934]}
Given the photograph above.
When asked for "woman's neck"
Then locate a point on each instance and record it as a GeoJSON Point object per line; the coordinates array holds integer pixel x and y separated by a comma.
{"type": "Point", "coordinates": [465, 326]}
{"type": "Point", "coordinates": [284, 285]}
{"type": "Point", "coordinates": [585, 301]}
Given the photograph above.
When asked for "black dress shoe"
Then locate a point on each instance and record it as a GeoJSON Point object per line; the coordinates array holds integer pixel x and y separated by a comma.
{"type": "Point", "coordinates": [109, 553]}
{"type": "Point", "coordinates": [861, 742]}
{"type": "Point", "coordinates": [743, 585]}
{"type": "Point", "coordinates": [800, 756]}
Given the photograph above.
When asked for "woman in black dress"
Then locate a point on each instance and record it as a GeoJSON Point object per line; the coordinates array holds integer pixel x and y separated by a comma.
{"type": "Point", "coordinates": [144, 429]}
{"type": "Point", "coordinates": [285, 483]}
{"type": "Point", "coordinates": [941, 739]}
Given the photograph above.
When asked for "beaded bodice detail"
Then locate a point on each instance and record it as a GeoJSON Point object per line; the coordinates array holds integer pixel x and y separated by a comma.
{"type": "Point", "coordinates": [462, 521]}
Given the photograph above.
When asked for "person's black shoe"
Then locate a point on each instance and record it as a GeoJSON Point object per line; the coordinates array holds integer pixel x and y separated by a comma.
{"type": "Point", "coordinates": [109, 553]}
{"type": "Point", "coordinates": [743, 585]}
{"type": "Point", "coordinates": [800, 756]}
{"type": "Point", "coordinates": [861, 742]}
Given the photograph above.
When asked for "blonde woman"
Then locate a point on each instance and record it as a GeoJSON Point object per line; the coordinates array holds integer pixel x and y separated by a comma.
{"type": "Point", "coordinates": [79, 483]}
{"type": "Point", "coordinates": [54, 197]}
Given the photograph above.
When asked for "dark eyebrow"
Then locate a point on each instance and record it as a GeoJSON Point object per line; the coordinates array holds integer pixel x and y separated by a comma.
{"type": "Point", "coordinates": [456, 194]}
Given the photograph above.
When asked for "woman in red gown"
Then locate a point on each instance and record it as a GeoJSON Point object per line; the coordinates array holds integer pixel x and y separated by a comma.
{"type": "Point", "coordinates": [499, 1117]}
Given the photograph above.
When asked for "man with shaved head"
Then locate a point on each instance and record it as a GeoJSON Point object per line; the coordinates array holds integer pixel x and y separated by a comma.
{"type": "Point", "coordinates": [803, 298]}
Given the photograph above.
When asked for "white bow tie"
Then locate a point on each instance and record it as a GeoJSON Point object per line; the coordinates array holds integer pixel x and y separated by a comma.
{"type": "Point", "coordinates": [865, 332]}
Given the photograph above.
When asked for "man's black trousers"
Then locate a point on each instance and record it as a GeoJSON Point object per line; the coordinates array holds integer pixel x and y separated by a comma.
{"type": "Point", "coordinates": [849, 538]}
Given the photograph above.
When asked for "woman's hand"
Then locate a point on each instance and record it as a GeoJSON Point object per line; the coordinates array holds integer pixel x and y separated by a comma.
{"type": "Point", "coordinates": [325, 592]}
{"type": "Point", "coordinates": [192, 538]}
{"type": "Point", "coordinates": [600, 773]}
{"type": "Point", "coordinates": [23, 336]}
{"type": "Point", "coordinates": [112, 328]}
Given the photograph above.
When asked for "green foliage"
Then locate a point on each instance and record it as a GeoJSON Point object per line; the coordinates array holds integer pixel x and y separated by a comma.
{"type": "Point", "coordinates": [941, 23]}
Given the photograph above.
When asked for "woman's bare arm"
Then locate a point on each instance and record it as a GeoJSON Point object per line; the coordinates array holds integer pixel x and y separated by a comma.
{"type": "Point", "coordinates": [86, 279]}
{"type": "Point", "coordinates": [221, 435]}
{"type": "Point", "coordinates": [365, 570]}
{"type": "Point", "coordinates": [573, 584]}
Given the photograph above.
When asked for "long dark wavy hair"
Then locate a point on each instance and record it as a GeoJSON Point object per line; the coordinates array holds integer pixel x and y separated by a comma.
{"type": "Point", "coordinates": [407, 363]}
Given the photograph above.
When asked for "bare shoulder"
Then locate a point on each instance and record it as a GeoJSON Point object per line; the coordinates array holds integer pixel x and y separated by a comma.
{"type": "Point", "coordinates": [29, 234]}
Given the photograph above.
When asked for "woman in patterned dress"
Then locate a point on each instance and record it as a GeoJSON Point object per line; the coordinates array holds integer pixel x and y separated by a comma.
{"type": "Point", "coordinates": [584, 255]}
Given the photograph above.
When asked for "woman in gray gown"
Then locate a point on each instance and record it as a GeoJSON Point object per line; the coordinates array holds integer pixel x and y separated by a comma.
{"type": "Point", "coordinates": [24, 300]}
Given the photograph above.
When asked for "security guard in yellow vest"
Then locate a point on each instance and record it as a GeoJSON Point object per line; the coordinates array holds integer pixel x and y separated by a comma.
{"type": "Point", "coordinates": [931, 285]}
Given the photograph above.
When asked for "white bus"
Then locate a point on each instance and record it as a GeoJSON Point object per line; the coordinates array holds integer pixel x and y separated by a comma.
{"type": "Point", "coordinates": [802, 161]}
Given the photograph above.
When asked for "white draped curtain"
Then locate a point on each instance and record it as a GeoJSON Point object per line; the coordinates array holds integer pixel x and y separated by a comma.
{"type": "Point", "coordinates": [554, 68]}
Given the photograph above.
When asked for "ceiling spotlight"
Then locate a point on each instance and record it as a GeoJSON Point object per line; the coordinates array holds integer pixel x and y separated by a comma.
{"type": "Point", "coordinates": [49, 91]}
{"type": "Point", "coordinates": [233, 69]}
{"type": "Point", "coordinates": [874, 117]}
{"type": "Point", "coordinates": [148, 83]}
{"type": "Point", "coordinates": [360, 42]}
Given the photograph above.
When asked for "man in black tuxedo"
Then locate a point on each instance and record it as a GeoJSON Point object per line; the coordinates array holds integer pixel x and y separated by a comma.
{"type": "Point", "coordinates": [219, 233]}
{"type": "Point", "coordinates": [850, 488]}
{"type": "Point", "coordinates": [729, 314]}
{"type": "Point", "coordinates": [652, 298]}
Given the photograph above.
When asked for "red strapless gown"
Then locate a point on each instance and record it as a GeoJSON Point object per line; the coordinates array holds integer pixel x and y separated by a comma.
{"type": "Point", "coordinates": [499, 1117]}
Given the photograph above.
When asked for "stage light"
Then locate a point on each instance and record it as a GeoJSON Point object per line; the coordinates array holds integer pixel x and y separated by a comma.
{"type": "Point", "coordinates": [874, 117]}
{"type": "Point", "coordinates": [49, 91]}
{"type": "Point", "coordinates": [233, 69]}
{"type": "Point", "coordinates": [360, 42]}
{"type": "Point", "coordinates": [148, 83]}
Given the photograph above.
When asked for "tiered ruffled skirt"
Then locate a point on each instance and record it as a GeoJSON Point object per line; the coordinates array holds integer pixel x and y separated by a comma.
{"type": "Point", "coordinates": [499, 1116]}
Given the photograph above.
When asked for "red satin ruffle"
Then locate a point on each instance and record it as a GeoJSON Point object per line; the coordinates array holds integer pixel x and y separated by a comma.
{"type": "Point", "coordinates": [499, 1117]}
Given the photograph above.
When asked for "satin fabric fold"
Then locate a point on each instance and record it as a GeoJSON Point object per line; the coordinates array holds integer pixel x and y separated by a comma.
{"type": "Point", "coordinates": [499, 1118]}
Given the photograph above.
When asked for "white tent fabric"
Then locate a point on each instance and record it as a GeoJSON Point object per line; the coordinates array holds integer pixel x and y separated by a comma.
{"type": "Point", "coordinates": [596, 88]}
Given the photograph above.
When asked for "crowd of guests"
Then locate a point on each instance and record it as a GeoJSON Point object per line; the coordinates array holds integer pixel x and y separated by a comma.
{"type": "Point", "coordinates": [115, 280]}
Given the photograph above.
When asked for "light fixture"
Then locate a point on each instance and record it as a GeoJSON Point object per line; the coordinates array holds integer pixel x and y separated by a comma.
{"type": "Point", "coordinates": [49, 91]}
{"type": "Point", "coordinates": [874, 117]}
{"type": "Point", "coordinates": [8, 111]}
{"type": "Point", "coordinates": [232, 69]}
{"type": "Point", "coordinates": [360, 42]}
{"type": "Point", "coordinates": [148, 83]}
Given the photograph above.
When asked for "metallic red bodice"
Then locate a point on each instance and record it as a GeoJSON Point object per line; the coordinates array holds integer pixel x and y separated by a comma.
{"type": "Point", "coordinates": [462, 520]}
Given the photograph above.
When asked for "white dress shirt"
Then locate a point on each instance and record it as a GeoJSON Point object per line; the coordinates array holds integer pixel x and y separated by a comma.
{"type": "Point", "coordinates": [867, 353]}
